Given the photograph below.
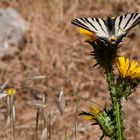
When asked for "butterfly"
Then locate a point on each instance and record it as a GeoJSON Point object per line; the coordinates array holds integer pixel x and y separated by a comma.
{"type": "Point", "coordinates": [111, 29]}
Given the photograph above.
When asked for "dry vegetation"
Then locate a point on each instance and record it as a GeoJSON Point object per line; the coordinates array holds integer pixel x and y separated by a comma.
{"type": "Point", "coordinates": [53, 48]}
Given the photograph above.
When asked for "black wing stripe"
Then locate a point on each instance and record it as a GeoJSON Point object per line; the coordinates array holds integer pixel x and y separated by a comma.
{"type": "Point", "coordinates": [84, 23]}
{"type": "Point", "coordinates": [100, 24]}
{"type": "Point", "coordinates": [83, 20]}
{"type": "Point", "coordinates": [78, 23]}
{"type": "Point", "coordinates": [93, 21]}
{"type": "Point", "coordinates": [125, 16]}
{"type": "Point", "coordinates": [91, 24]}
{"type": "Point", "coordinates": [137, 21]}
{"type": "Point", "coordinates": [120, 18]}
{"type": "Point", "coordinates": [135, 15]}
{"type": "Point", "coordinates": [129, 20]}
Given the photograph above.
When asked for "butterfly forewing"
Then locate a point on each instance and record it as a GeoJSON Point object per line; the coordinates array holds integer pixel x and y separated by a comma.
{"type": "Point", "coordinates": [124, 23]}
{"type": "Point", "coordinates": [96, 25]}
{"type": "Point", "coordinates": [81, 23]}
{"type": "Point", "coordinates": [133, 21]}
{"type": "Point", "coordinates": [101, 27]}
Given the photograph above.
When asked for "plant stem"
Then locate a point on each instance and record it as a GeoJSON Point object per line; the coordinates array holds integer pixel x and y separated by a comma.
{"type": "Point", "coordinates": [116, 108]}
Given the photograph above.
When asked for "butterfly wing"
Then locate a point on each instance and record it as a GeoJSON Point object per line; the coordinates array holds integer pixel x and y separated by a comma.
{"type": "Point", "coordinates": [121, 25]}
{"type": "Point", "coordinates": [124, 23]}
{"type": "Point", "coordinates": [96, 25]}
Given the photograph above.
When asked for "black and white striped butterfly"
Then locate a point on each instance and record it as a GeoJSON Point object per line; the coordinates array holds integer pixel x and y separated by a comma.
{"type": "Point", "coordinates": [112, 29]}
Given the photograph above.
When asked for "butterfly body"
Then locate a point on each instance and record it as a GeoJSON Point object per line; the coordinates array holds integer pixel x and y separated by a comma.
{"type": "Point", "coordinates": [112, 29]}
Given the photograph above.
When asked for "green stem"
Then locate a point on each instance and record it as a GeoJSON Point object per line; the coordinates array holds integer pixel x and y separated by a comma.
{"type": "Point", "coordinates": [116, 108]}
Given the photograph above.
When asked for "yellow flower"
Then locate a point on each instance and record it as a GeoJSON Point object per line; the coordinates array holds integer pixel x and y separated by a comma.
{"type": "Point", "coordinates": [92, 114]}
{"type": "Point", "coordinates": [11, 91]}
{"type": "Point", "coordinates": [90, 35]}
{"type": "Point", "coordinates": [127, 69]}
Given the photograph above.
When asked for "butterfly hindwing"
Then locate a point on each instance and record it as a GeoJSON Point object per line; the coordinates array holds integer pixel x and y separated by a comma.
{"type": "Point", "coordinates": [96, 25]}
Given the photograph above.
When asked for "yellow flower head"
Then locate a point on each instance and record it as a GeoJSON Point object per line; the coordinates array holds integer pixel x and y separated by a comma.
{"type": "Point", "coordinates": [127, 69]}
{"type": "Point", "coordinates": [90, 35]}
{"type": "Point", "coordinates": [11, 91]}
{"type": "Point", "coordinates": [94, 111]}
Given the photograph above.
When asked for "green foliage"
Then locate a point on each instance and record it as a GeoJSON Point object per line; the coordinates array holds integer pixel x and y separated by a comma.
{"type": "Point", "coordinates": [125, 86]}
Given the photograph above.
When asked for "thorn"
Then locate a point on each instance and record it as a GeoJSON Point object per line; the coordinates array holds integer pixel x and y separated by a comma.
{"type": "Point", "coordinates": [85, 113]}
{"type": "Point", "coordinates": [95, 65]}
{"type": "Point", "coordinates": [94, 123]}
{"type": "Point", "coordinates": [102, 136]}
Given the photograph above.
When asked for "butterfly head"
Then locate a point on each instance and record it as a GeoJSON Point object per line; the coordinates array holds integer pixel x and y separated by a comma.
{"type": "Point", "coordinates": [113, 39]}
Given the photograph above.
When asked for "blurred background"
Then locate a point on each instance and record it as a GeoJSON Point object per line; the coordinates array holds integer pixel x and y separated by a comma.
{"type": "Point", "coordinates": [50, 46]}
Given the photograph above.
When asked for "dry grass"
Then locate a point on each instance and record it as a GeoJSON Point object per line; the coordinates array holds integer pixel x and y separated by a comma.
{"type": "Point", "coordinates": [53, 48]}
